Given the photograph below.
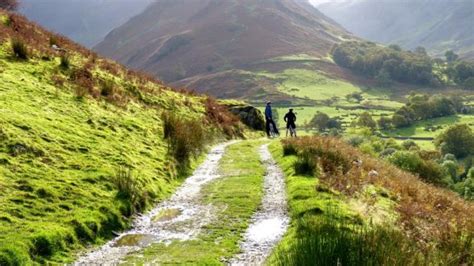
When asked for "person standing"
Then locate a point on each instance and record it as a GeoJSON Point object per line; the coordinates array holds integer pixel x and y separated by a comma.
{"type": "Point", "coordinates": [290, 119]}
{"type": "Point", "coordinates": [269, 120]}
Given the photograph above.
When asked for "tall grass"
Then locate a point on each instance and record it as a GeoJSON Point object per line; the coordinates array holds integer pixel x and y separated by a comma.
{"type": "Point", "coordinates": [19, 49]}
{"type": "Point", "coordinates": [328, 241]}
{"type": "Point", "coordinates": [130, 189]}
{"type": "Point", "coordinates": [186, 138]}
{"type": "Point", "coordinates": [438, 221]}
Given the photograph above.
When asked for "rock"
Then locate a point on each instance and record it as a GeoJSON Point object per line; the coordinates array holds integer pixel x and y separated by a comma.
{"type": "Point", "coordinates": [249, 115]}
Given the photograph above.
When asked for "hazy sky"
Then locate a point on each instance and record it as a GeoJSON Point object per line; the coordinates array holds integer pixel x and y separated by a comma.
{"type": "Point", "coordinates": [318, 2]}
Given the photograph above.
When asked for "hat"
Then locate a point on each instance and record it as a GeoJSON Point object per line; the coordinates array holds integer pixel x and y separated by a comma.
{"type": "Point", "coordinates": [269, 102]}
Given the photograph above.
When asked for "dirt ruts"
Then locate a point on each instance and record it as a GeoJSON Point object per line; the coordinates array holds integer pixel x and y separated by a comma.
{"type": "Point", "coordinates": [268, 225]}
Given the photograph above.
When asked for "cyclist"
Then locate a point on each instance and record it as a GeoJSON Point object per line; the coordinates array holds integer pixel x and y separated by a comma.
{"type": "Point", "coordinates": [269, 120]}
{"type": "Point", "coordinates": [290, 119]}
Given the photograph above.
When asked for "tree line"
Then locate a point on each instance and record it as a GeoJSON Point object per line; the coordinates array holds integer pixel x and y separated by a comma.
{"type": "Point", "coordinates": [423, 107]}
{"type": "Point", "coordinates": [388, 64]}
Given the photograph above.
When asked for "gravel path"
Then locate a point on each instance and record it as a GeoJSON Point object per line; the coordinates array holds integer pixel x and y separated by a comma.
{"type": "Point", "coordinates": [268, 224]}
{"type": "Point", "coordinates": [179, 218]}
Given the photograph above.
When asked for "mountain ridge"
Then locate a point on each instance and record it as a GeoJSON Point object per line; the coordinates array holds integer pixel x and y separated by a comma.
{"type": "Point", "coordinates": [177, 41]}
{"type": "Point", "coordinates": [437, 25]}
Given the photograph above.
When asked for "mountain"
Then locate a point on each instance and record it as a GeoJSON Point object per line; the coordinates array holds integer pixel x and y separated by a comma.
{"type": "Point", "coordinates": [221, 41]}
{"type": "Point", "coordinates": [437, 25]}
{"type": "Point", "coordinates": [82, 143]}
{"type": "Point", "coordinates": [84, 21]}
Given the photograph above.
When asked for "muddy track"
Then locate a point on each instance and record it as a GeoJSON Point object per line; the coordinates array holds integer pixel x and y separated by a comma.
{"type": "Point", "coordinates": [179, 218]}
{"type": "Point", "coordinates": [269, 224]}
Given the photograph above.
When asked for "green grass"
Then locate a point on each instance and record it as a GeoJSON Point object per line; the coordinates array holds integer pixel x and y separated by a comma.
{"type": "Point", "coordinates": [306, 113]}
{"type": "Point", "coordinates": [327, 228]}
{"type": "Point", "coordinates": [315, 85]}
{"type": "Point", "coordinates": [236, 196]}
{"type": "Point", "coordinates": [59, 154]}
{"type": "Point", "coordinates": [430, 128]}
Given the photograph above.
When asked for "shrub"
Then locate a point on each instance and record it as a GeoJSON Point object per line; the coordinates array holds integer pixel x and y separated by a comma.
{"type": "Point", "coordinates": [451, 168]}
{"type": "Point", "coordinates": [384, 122]}
{"type": "Point", "coordinates": [367, 148]}
{"type": "Point", "coordinates": [107, 88]}
{"type": "Point", "coordinates": [409, 145]}
{"type": "Point", "coordinates": [218, 115]}
{"type": "Point", "coordinates": [130, 189]}
{"type": "Point", "coordinates": [19, 49]}
{"type": "Point", "coordinates": [387, 152]}
{"type": "Point", "coordinates": [406, 160]}
{"type": "Point", "coordinates": [306, 164]}
{"type": "Point", "coordinates": [186, 138]}
{"type": "Point", "coordinates": [320, 121]}
{"type": "Point", "coordinates": [65, 62]}
{"type": "Point", "coordinates": [412, 162]}
{"type": "Point", "coordinates": [53, 40]}
{"type": "Point", "coordinates": [365, 120]}
{"type": "Point", "coordinates": [83, 233]}
{"type": "Point", "coordinates": [457, 140]}
{"type": "Point", "coordinates": [84, 81]}
{"type": "Point", "coordinates": [355, 141]}
{"type": "Point", "coordinates": [289, 148]}
{"type": "Point", "coordinates": [43, 245]}
{"type": "Point", "coordinates": [449, 157]}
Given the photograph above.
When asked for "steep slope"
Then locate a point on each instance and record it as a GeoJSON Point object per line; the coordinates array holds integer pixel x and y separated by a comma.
{"type": "Point", "coordinates": [218, 40]}
{"type": "Point", "coordinates": [84, 21]}
{"type": "Point", "coordinates": [83, 143]}
{"type": "Point", "coordinates": [437, 25]}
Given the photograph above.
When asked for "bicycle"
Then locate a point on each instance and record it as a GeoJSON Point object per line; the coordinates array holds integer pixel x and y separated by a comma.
{"type": "Point", "coordinates": [292, 131]}
{"type": "Point", "coordinates": [273, 132]}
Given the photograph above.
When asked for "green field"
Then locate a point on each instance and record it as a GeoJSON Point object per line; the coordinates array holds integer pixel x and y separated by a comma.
{"type": "Point", "coordinates": [330, 96]}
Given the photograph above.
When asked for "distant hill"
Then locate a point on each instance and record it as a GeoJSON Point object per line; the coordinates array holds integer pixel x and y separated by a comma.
{"type": "Point", "coordinates": [84, 21]}
{"type": "Point", "coordinates": [222, 42]}
{"type": "Point", "coordinates": [437, 25]}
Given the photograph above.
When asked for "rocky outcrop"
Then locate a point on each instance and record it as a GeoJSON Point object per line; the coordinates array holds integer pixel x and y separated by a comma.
{"type": "Point", "coordinates": [249, 115]}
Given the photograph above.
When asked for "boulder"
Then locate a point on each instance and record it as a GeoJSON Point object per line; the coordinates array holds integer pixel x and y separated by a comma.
{"type": "Point", "coordinates": [249, 115]}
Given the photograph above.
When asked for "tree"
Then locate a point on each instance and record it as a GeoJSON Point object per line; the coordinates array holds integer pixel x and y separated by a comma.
{"type": "Point", "coordinates": [421, 51]}
{"type": "Point", "coordinates": [320, 121]}
{"type": "Point", "coordinates": [366, 120]}
{"type": "Point", "coordinates": [451, 56]}
{"type": "Point", "coordinates": [9, 4]}
{"type": "Point", "coordinates": [357, 96]}
{"type": "Point", "coordinates": [469, 83]}
{"type": "Point", "coordinates": [384, 123]}
{"type": "Point", "coordinates": [383, 78]}
{"type": "Point", "coordinates": [458, 140]}
{"type": "Point", "coordinates": [395, 47]}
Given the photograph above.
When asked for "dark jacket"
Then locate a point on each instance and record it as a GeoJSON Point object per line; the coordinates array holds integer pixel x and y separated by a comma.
{"type": "Point", "coordinates": [268, 112]}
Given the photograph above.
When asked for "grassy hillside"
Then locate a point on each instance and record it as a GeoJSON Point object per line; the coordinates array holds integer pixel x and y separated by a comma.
{"type": "Point", "coordinates": [366, 213]}
{"type": "Point", "coordinates": [82, 144]}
